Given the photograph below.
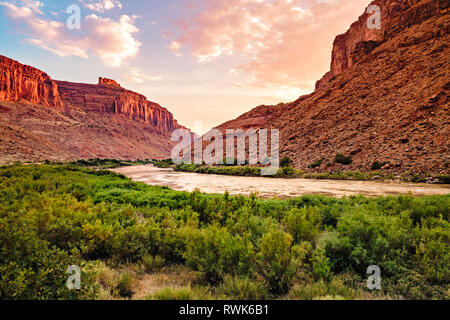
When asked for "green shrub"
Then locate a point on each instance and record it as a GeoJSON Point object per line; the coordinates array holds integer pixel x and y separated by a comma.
{"type": "Point", "coordinates": [303, 224]}
{"type": "Point", "coordinates": [152, 263]}
{"type": "Point", "coordinates": [320, 265]}
{"type": "Point", "coordinates": [415, 286]}
{"type": "Point", "coordinates": [288, 171]}
{"type": "Point", "coordinates": [54, 216]}
{"type": "Point", "coordinates": [31, 268]}
{"type": "Point", "coordinates": [238, 288]}
{"type": "Point", "coordinates": [433, 251]}
{"type": "Point", "coordinates": [215, 252]}
{"type": "Point", "coordinates": [125, 285]}
{"type": "Point", "coordinates": [286, 162]}
{"type": "Point", "coordinates": [275, 263]}
{"type": "Point", "coordinates": [378, 165]}
{"type": "Point", "coordinates": [316, 164]}
{"type": "Point", "coordinates": [343, 159]}
{"type": "Point", "coordinates": [444, 178]}
{"type": "Point", "coordinates": [365, 238]}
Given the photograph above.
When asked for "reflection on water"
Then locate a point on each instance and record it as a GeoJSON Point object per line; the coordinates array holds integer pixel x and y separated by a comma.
{"type": "Point", "coordinates": [273, 187]}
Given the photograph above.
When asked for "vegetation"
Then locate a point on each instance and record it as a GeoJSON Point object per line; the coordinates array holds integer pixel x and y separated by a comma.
{"type": "Point", "coordinates": [288, 172]}
{"type": "Point", "coordinates": [378, 165]}
{"type": "Point", "coordinates": [343, 159]}
{"type": "Point", "coordinates": [286, 162]}
{"type": "Point", "coordinates": [120, 232]}
{"type": "Point", "coordinates": [106, 163]}
{"type": "Point", "coordinates": [316, 164]}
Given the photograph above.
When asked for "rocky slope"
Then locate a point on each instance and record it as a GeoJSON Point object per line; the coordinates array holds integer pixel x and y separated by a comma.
{"type": "Point", "coordinates": [45, 119]}
{"type": "Point", "coordinates": [385, 98]}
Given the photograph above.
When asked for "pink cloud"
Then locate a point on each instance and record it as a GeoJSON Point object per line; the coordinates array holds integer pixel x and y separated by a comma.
{"type": "Point", "coordinates": [278, 42]}
{"type": "Point", "coordinates": [112, 41]}
{"type": "Point", "coordinates": [101, 5]}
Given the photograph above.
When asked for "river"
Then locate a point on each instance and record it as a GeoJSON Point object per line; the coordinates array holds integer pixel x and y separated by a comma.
{"type": "Point", "coordinates": [273, 187]}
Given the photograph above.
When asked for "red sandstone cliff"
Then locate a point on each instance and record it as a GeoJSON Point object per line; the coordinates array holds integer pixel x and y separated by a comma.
{"type": "Point", "coordinates": [21, 82]}
{"type": "Point", "coordinates": [109, 97]}
{"type": "Point", "coordinates": [385, 98]}
{"type": "Point", "coordinates": [45, 119]}
{"type": "Point", "coordinates": [359, 40]}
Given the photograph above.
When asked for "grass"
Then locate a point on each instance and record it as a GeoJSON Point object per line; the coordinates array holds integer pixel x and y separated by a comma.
{"type": "Point", "coordinates": [135, 241]}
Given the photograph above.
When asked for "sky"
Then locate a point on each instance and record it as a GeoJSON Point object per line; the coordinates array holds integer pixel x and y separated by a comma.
{"type": "Point", "coordinates": [207, 61]}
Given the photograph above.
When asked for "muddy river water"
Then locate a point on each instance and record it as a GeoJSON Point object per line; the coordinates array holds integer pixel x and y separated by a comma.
{"type": "Point", "coordinates": [273, 187]}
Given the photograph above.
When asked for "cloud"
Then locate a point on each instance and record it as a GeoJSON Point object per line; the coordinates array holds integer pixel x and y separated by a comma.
{"type": "Point", "coordinates": [34, 5]}
{"type": "Point", "coordinates": [277, 43]}
{"type": "Point", "coordinates": [110, 40]}
{"type": "Point", "coordinates": [136, 76]}
{"type": "Point", "coordinates": [15, 12]}
{"type": "Point", "coordinates": [101, 5]}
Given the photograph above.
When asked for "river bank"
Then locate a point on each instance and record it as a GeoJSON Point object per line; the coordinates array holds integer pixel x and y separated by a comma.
{"type": "Point", "coordinates": [273, 187]}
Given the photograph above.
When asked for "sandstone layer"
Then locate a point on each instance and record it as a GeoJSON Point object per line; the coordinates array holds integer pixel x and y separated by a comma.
{"type": "Point", "coordinates": [109, 97]}
{"type": "Point", "coordinates": [45, 119]}
{"type": "Point", "coordinates": [21, 82]}
{"type": "Point", "coordinates": [385, 98]}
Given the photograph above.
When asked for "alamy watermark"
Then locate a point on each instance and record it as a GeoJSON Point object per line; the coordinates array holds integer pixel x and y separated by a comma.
{"type": "Point", "coordinates": [192, 150]}
{"type": "Point", "coordinates": [374, 20]}
{"type": "Point", "coordinates": [73, 22]}
{"type": "Point", "coordinates": [74, 279]}
{"type": "Point", "coordinates": [374, 280]}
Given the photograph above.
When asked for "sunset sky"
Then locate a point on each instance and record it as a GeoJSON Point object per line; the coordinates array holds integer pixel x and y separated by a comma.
{"type": "Point", "coordinates": [206, 61]}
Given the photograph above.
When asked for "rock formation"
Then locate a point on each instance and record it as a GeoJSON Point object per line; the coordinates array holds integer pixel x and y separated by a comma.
{"type": "Point", "coordinates": [385, 98]}
{"type": "Point", "coordinates": [108, 82]}
{"type": "Point", "coordinates": [396, 16]}
{"type": "Point", "coordinates": [21, 82]}
{"type": "Point", "coordinates": [45, 119]}
{"type": "Point", "coordinates": [109, 97]}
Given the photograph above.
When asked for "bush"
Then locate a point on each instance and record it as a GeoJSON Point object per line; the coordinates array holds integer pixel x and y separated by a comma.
{"type": "Point", "coordinates": [444, 178]}
{"type": "Point", "coordinates": [54, 216]}
{"type": "Point", "coordinates": [31, 268]}
{"type": "Point", "coordinates": [288, 171]}
{"type": "Point", "coordinates": [275, 262]}
{"type": "Point", "coordinates": [364, 238]}
{"type": "Point", "coordinates": [215, 252]}
{"type": "Point", "coordinates": [125, 285]}
{"type": "Point", "coordinates": [237, 288]}
{"type": "Point", "coordinates": [433, 252]}
{"type": "Point", "coordinates": [152, 263]}
{"type": "Point", "coordinates": [343, 159]}
{"type": "Point", "coordinates": [378, 165]}
{"type": "Point", "coordinates": [286, 162]}
{"type": "Point", "coordinates": [316, 164]}
{"type": "Point", "coordinates": [303, 224]}
{"type": "Point", "coordinates": [320, 265]}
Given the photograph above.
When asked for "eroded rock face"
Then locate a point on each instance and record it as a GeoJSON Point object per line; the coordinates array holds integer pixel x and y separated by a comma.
{"type": "Point", "coordinates": [22, 82]}
{"type": "Point", "coordinates": [385, 98]}
{"type": "Point", "coordinates": [45, 119]}
{"type": "Point", "coordinates": [108, 82]}
{"type": "Point", "coordinates": [396, 15]}
{"type": "Point", "coordinates": [109, 97]}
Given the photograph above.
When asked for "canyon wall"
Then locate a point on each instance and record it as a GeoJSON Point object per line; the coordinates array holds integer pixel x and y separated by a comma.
{"type": "Point", "coordinates": [22, 82]}
{"type": "Point", "coordinates": [109, 97]}
{"type": "Point", "coordinates": [359, 40]}
{"type": "Point", "coordinates": [384, 100]}
{"type": "Point", "coordinates": [44, 119]}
